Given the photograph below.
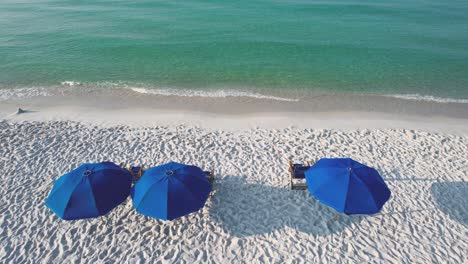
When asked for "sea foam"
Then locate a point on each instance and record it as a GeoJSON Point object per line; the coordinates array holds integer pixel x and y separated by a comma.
{"type": "Point", "coordinates": [21, 93]}
{"type": "Point", "coordinates": [428, 98]}
{"type": "Point", "coordinates": [70, 83]}
{"type": "Point", "coordinates": [211, 94]}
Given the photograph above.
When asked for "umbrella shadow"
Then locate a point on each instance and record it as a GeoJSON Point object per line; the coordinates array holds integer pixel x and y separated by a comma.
{"type": "Point", "coordinates": [244, 209]}
{"type": "Point", "coordinates": [452, 199]}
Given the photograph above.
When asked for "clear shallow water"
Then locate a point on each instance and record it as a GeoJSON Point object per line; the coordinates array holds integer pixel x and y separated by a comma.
{"type": "Point", "coordinates": [383, 47]}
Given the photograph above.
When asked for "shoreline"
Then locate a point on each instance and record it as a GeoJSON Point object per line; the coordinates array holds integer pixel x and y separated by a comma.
{"type": "Point", "coordinates": [231, 101]}
{"type": "Point", "coordinates": [343, 112]}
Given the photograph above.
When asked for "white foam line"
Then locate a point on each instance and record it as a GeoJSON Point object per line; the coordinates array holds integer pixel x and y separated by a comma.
{"type": "Point", "coordinates": [429, 98]}
{"type": "Point", "coordinates": [20, 93]}
{"type": "Point", "coordinates": [212, 94]}
{"type": "Point", "coordinates": [70, 83]}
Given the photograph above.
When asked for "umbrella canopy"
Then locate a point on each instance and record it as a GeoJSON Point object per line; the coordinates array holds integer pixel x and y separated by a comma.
{"type": "Point", "coordinates": [91, 190]}
{"type": "Point", "coordinates": [347, 186]}
{"type": "Point", "coordinates": [170, 191]}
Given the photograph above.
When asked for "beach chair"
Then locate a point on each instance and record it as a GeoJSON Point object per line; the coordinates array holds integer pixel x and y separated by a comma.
{"type": "Point", "coordinates": [297, 175]}
{"type": "Point", "coordinates": [136, 171]}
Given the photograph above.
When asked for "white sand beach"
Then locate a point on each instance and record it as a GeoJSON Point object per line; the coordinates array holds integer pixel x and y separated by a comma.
{"type": "Point", "coordinates": [253, 215]}
{"type": "Point", "coordinates": [245, 90]}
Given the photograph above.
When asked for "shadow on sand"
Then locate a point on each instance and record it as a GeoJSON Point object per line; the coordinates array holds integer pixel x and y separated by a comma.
{"type": "Point", "coordinates": [244, 209]}
{"type": "Point", "coordinates": [452, 199]}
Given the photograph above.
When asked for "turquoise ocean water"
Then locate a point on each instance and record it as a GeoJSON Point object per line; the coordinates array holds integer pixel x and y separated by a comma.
{"type": "Point", "coordinates": [376, 47]}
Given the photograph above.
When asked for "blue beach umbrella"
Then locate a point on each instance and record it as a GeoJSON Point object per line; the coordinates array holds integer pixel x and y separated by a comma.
{"type": "Point", "coordinates": [347, 186]}
{"type": "Point", "coordinates": [170, 191]}
{"type": "Point", "coordinates": [91, 190]}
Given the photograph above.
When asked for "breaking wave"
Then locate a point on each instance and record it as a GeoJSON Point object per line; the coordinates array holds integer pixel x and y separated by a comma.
{"type": "Point", "coordinates": [20, 93]}
{"type": "Point", "coordinates": [428, 98]}
{"type": "Point", "coordinates": [212, 94]}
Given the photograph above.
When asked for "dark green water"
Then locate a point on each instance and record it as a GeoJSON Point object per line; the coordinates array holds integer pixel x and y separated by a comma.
{"type": "Point", "coordinates": [382, 47]}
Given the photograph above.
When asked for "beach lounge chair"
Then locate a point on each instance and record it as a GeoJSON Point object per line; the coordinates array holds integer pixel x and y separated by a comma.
{"type": "Point", "coordinates": [136, 171]}
{"type": "Point", "coordinates": [297, 172]}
